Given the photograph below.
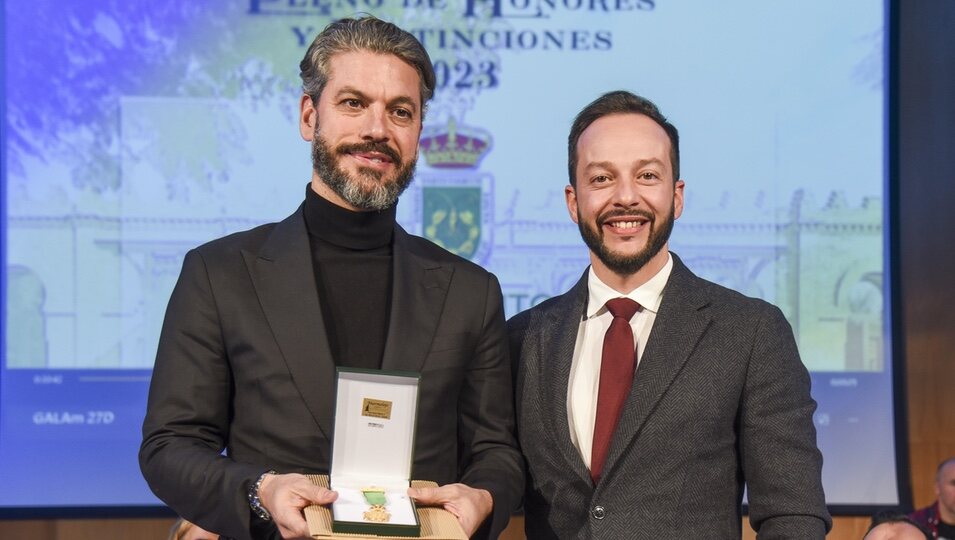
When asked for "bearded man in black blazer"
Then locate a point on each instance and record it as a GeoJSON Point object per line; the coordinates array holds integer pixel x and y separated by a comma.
{"type": "Point", "coordinates": [259, 320]}
{"type": "Point", "coordinates": [648, 398]}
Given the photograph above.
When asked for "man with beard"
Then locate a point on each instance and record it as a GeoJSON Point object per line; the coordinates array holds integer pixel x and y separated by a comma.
{"type": "Point", "coordinates": [259, 321]}
{"type": "Point", "coordinates": [648, 398]}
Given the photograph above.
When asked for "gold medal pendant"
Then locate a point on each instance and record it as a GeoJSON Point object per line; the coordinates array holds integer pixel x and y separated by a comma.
{"type": "Point", "coordinates": [376, 499]}
{"type": "Point", "coordinates": [378, 514]}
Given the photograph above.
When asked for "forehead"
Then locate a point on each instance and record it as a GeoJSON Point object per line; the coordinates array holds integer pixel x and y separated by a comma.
{"type": "Point", "coordinates": [373, 73]}
{"type": "Point", "coordinates": [947, 473]}
{"type": "Point", "coordinates": [621, 138]}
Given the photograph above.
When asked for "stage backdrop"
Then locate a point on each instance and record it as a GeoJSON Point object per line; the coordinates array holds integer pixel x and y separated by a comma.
{"type": "Point", "coordinates": [136, 130]}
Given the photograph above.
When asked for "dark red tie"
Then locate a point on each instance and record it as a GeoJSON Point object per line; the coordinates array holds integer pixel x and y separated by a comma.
{"type": "Point", "coordinates": [616, 375]}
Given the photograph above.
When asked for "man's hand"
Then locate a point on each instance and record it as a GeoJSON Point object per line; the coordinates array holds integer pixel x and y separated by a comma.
{"type": "Point", "coordinates": [286, 495]}
{"type": "Point", "coordinates": [471, 506]}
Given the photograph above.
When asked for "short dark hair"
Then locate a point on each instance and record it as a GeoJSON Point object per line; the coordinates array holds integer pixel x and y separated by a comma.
{"type": "Point", "coordinates": [364, 34]}
{"type": "Point", "coordinates": [894, 516]}
{"type": "Point", "coordinates": [620, 102]}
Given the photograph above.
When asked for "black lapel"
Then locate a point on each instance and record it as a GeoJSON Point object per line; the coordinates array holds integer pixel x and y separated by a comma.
{"type": "Point", "coordinates": [681, 321]}
{"type": "Point", "coordinates": [285, 284]}
{"type": "Point", "coordinates": [558, 338]}
{"type": "Point", "coordinates": [419, 288]}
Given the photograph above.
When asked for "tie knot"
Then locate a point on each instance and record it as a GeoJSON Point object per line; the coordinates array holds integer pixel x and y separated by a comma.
{"type": "Point", "coordinates": [622, 307]}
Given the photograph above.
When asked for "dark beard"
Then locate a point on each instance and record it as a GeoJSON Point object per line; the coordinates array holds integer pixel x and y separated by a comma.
{"type": "Point", "coordinates": [625, 265]}
{"type": "Point", "coordinates": [380, 195]}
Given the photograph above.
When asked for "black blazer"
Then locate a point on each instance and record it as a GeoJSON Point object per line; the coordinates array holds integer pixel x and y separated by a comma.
{"type": "Point", "coordinates": [719, 399]}
{"type": "Point", "coordinates": [244, 365]}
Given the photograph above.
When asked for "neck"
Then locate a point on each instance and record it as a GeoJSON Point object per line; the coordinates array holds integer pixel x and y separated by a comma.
{"type": "Point", "coordinates": [625, 283]}
{"type": "Point", "coordinates": [347, 228]}
{"type": "Point", "coordinates": [945, 515]}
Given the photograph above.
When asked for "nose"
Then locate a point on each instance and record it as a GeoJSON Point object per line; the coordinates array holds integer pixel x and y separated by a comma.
{"type": "Point", "coordinates": [375, 124]}
{"type": "Point", "coordinates": [626, 193]}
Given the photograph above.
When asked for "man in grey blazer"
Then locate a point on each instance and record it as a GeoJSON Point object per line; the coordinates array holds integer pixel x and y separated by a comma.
{"type": "Point", "coordinates": [243, 391]}
{"type": "Point", "coordinates": [648, 398]}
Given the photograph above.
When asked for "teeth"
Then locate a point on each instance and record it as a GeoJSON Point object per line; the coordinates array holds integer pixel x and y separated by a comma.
{"type": "Point", "coordinates": [625, 224]}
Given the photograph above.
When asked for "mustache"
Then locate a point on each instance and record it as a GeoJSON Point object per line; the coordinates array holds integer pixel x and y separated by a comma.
{"type": "Point", "coordinates": [610, 214]}
{"type": "Point", "coordinates": [370, 146]}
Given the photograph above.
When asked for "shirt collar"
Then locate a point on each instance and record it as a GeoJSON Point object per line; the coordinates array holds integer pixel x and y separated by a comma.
{"type": "Point", "coordinates": [649, 295]}
{"type": "Point", "coordinates": [345, 228]}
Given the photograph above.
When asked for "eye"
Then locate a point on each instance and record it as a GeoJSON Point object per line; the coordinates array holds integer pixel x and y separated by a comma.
{"type": "Point", "coordinates": [403, 114]}
{"type": "Point", "coordinates": [351, 103]}
{"type": "Point", "coordinates": [648, 176]}
{"type": "Point", "coordinates": [600, 179]}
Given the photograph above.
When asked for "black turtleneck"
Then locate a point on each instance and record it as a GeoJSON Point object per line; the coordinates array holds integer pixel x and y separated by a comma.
{"type": "Point", "coordinates": [352, 255]}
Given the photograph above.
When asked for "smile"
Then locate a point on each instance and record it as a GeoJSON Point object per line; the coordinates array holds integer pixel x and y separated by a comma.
{"type": "Point", "coordinates": [372, 160]}
{"type": "Point", "coordinates": [626, 226]}
{"type": "Point", "coordinates": [375, 158]}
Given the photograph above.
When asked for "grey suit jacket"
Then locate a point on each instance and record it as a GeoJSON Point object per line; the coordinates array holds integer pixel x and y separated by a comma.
{"type": "Point", "coordinates": [244, 365]}
{"type": "Point", "coordinates": [720, 399]}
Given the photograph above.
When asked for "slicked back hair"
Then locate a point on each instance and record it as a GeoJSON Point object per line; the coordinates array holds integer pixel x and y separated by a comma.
{"type": "Point", "coordinates": [364, 34]}
{"type": "Point", "coordinates": [620, 102]}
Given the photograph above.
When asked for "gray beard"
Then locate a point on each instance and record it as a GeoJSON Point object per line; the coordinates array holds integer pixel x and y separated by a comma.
{"type": "Point", "coordinates": [380, 196]}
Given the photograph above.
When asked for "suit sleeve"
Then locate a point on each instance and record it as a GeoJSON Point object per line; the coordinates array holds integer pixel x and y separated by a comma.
{"type": "Point", "coordinates": [781, 463]}
{"type": "Point", "coordinates": [188, 413]}
{"type": "Point", "coordinates": [490, 459]}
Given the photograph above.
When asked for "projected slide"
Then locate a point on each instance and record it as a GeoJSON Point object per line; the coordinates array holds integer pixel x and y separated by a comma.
{"type": "Point", "coordinates": [138, 130]}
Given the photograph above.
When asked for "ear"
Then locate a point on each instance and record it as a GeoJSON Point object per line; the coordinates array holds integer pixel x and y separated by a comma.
{"type": "Point", "coordinates": [678, 198]}
{"type": "Point", "coordinates": [570, 194]}
{"type": "Point", "coordinates": [307, 118]}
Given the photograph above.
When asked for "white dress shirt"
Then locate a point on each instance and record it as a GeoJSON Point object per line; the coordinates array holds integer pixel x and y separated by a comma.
{"type": "Point", "coordinates": [585, 370]}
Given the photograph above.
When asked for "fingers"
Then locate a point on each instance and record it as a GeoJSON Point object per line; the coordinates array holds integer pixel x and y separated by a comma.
{"type": "Point", "coordinates": [291, 523]}
{"type": "Point", "coordinates": [428, 495]}
{"type": "Point", "coordinates": [318, 495]}
{"type": "Point", "coordinates": [292, 489]}
{"type": "Point", "coordinates": [471, 506]}
{"type": "Point", "coordinates": [285, 495]}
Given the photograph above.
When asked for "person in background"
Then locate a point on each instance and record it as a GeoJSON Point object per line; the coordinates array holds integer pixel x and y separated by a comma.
{"type": "Point", "coordinates": [891, 525]}
{"type": "Point", "coordinates": [939, 517]}
{"type": "Point", "coordinates": [184, 529]}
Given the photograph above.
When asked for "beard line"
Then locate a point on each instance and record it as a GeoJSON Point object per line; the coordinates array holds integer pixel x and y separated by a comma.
{"type": "Point", "coordinates": [620, 264]}
{"type": "Point", "coordinates": [379, 195]}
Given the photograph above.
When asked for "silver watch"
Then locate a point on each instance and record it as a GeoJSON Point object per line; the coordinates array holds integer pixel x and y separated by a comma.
{"type": "Point", "coordinates": [254, 502]}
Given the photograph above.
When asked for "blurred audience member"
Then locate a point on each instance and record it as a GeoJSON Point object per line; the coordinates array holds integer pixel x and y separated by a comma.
{"type": "Point", "coordinates": [895, 526]}
{"type": "Point", "coordinates": [186, 530]}
{"type": "Point", "coordinates": [939, 517]}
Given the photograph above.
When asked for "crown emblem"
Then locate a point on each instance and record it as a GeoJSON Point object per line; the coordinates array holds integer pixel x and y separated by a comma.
{"type": "Point", "coordinates": [454, 147]}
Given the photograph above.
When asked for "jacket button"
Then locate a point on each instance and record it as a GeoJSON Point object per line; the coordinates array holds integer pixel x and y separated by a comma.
{"type": "Point", "coordinates": [598, 512]}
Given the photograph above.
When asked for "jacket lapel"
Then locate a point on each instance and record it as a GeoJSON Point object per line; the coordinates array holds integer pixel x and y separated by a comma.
{"type": "Point", "coordinates": [679, 324]}
{"type": "Point", "coordinates": [419, 288]}
{"type": "Point", "coordinates": [557, 342]}
{"type": "Point", "coordinates": [284, 282]}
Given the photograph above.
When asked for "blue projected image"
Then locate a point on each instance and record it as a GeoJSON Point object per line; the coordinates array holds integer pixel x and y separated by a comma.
{"type": "Point", "coordinates": [138, 130]}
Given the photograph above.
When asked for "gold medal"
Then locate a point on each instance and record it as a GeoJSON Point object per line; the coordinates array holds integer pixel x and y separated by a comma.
{"type": "Point", "coordinates": [377, 512]}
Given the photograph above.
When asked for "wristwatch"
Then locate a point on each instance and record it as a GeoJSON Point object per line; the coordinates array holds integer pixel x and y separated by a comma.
{"type": "Point", "coordinates": [254, 501]}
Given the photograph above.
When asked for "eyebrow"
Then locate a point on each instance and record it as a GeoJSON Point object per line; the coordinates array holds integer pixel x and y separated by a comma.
{"type": "Point", "coordinates": [610, 165]}
{"type": "Point", "coordinates": [599, 165]}
{"type": "Point", "coordinates": [400, 100]}
{"type": "Point", "coordinates": [652, 161]}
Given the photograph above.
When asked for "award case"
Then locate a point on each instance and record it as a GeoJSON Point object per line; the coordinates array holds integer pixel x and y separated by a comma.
{"type": "Point", "coordinates": [373, 447]}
